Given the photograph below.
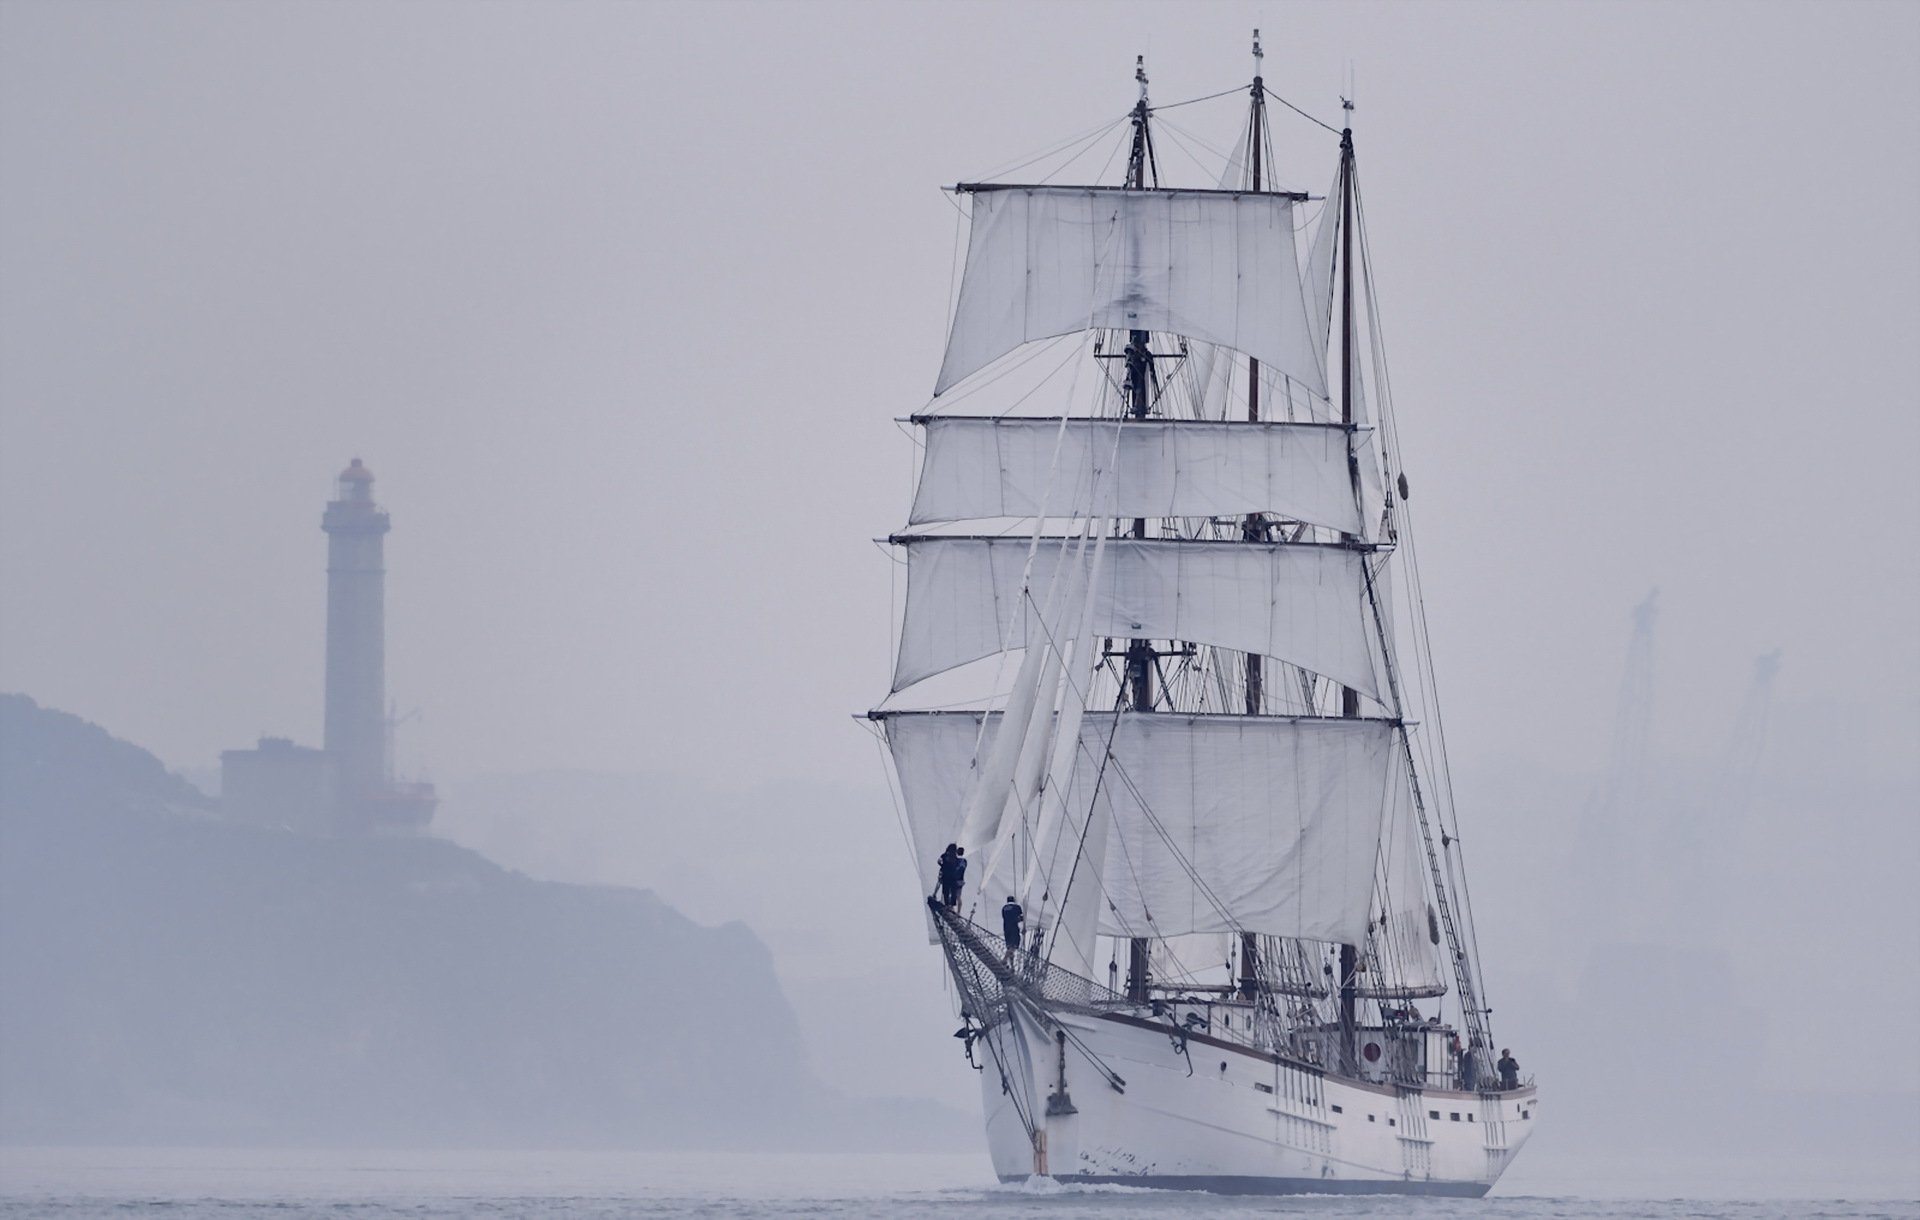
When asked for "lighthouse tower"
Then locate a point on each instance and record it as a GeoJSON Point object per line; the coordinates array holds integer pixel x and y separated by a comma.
{"type": "Point", "coordinates": [356, 729]}
{"type": "Point", "coordinates": [347, 787]}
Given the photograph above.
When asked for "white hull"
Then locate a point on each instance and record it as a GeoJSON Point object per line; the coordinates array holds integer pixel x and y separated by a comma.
{"type": "Point", "coordinates": [1234, 1121]}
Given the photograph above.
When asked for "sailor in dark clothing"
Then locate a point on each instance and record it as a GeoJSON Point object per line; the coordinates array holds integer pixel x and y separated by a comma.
{"type": "Point", "coordinates": [959, 876]}
{"type": "Point", "coordinates": [1470, 1069]}
{"type": "Point", "coordinates": [948, 883]}
{"type": "Point", "coordinates": [1011, 917]}
{"type": "Point", "coordinates": [1509, 1070]}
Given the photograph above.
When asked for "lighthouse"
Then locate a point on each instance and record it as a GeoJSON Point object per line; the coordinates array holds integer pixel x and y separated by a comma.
{"type": "Point", "coordinates": [347, 786]}
{"type": "Point", "coordinates": [356, 723]}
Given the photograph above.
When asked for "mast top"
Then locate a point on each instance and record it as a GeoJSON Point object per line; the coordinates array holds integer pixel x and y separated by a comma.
{"type": "Point", "coordinates": [1258, 55]}
{"type": "Point", "coordinates": [1140, 159]}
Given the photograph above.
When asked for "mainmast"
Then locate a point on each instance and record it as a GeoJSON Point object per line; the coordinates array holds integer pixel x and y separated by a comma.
{"type": "Point", "coordinates": [1139, 655]}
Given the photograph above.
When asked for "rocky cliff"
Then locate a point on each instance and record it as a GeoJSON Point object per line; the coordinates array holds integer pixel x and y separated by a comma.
{"type": "Point", "coordinates": [171, 977]}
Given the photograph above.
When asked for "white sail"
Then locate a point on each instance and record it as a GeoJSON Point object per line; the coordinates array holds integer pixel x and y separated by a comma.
{"type": "Point", "coordinates": [1214, 823]}
{"type": "Point", "coordinates": [1078, 831]}
{"type": "Point", "coordinates": [1020, 811]}
{"type": "Point", "coordinates": [1009, 770]}
{"type": "Point", "coordinates": [1303, 604]}
{"type": "Point", "coordinates": [978, 468]}
{"type": "Point", "coordinates": [1057, 831]}
{"type": "Point", "coordinates": [1318, 289]}
{"type": "Point", "coordinates": [1406, 934]}
{"type": "Point", "coordinates": [1209, 265]}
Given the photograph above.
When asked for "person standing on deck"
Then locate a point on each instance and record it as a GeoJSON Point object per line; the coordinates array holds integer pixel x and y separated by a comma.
{"type": "Point", "coordinates": [1509, 1070]}
{"type": "Point", "coordinates": [949, 885]}
{"type": "Point", "coordinates": [1470, 1069]}
{"type": "Point", "coordinates": [1011, 917]}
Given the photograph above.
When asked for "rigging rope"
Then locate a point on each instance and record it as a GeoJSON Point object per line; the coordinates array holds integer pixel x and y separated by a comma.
{"type": "Point", "coordinates": [1303, 114]}
{"type": "Point", "coordinates": [1474, 988]}
{"type": "Point", "coordinates": [1087, 136]}
{"type": "Point", "coordinates": [1193, 100]}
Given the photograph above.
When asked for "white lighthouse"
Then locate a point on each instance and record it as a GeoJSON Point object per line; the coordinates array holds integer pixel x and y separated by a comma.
{"type": "Point", "coordinates": [356, 725]}
{"type": "Point", "coordinates": [347, 786]}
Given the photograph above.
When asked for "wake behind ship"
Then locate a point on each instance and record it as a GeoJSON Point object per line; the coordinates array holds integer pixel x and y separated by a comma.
{"type": "Point", "coordinates": [1162, 716]}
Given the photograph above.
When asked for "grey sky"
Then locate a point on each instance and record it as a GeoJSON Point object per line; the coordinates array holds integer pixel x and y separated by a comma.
{"type": "Point", "coordinates": [618, 302]}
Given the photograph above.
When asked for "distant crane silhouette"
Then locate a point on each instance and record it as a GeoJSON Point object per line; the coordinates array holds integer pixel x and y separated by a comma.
{"type": "Point", "coordinates": [1748, 741]}
{"type": "Point", "coordinates": [1605, 862]}
{"type": "Point", "coordinates": [1711, 826]}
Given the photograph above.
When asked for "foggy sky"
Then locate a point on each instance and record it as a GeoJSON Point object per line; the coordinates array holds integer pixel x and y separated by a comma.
{"type": "Point", "coordinates": [618, 301]}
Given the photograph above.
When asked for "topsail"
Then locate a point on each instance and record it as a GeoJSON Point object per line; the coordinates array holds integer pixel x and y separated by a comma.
{"type": "Point", "coordinates": [1025, 467]}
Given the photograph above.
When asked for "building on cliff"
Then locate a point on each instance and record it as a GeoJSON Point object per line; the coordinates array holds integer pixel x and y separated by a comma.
{"type": "Point", "coordinates": [347, 786]}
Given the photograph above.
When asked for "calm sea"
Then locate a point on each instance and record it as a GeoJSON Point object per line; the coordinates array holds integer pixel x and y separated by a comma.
{"type": "Point", "coordinates": [200, 1184]}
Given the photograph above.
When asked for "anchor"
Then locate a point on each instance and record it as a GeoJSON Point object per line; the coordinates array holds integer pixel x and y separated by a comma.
{"type": "Point", "coordinates": [1059, 1104]}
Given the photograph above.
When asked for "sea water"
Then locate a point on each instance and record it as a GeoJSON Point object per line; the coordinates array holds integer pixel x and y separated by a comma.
{"type": "Point", "coordinates": [204, 1184]}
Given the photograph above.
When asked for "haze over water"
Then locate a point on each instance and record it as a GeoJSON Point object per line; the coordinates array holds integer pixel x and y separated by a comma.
{"type": "Point", "coordinates": [621, 300]}
{"type": "Point", "coordinates": [202, 1185]}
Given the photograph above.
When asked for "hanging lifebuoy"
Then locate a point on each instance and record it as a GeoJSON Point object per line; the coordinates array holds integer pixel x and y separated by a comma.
{"type": "Point", "coordinates": [1371, 1052]}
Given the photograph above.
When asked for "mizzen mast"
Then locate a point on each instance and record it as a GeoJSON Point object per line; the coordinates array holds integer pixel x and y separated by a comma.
{"type": "Point", "coordinates": [1349, 698]}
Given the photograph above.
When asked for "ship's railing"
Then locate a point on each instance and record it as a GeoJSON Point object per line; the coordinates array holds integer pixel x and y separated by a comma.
{"type": "Point", "coordinates": [985, 969]}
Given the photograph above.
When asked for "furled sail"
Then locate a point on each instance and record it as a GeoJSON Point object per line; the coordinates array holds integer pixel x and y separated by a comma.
{"type": "Point", "coordinates": [1213, 823]}
{"type": "Point", "coordinates": [1302, 603]}
{"type": "Point", "coordinates": [978, 468]}
{"type": "Point", "coordinates": [1216, 266]}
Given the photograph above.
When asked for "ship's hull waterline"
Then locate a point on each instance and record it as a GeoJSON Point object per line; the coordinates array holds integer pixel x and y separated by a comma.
{"type": "Point", "coordinates": [1203, 1118]}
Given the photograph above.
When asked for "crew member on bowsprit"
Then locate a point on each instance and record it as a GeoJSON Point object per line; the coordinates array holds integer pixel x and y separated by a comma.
{"type": "Point", "coordinates": [1011, 917]}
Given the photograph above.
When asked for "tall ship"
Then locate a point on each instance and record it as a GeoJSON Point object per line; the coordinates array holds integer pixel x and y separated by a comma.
{"type": "Point", "coordinates": [1162, 683]}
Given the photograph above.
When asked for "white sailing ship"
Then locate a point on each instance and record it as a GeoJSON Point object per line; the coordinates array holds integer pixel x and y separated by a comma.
{"type": "Point", "coordinates": [1163, 678]}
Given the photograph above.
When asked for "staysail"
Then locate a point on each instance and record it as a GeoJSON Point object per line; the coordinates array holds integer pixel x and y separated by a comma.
{"type": "Point", "coordinates": [1404, 946]}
